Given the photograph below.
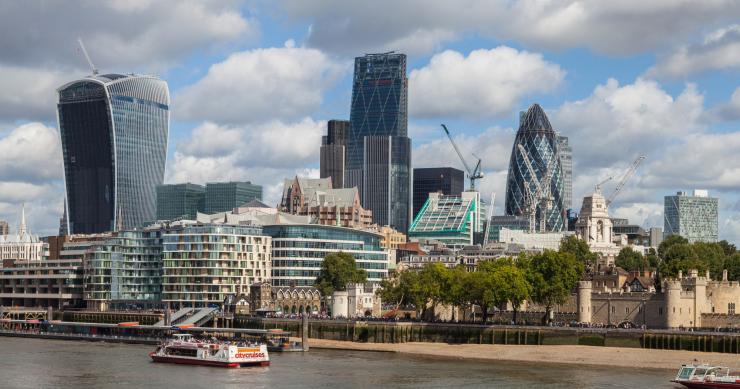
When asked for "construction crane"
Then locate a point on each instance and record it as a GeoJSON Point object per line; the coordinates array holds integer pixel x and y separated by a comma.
{"type": "Point", "coordinates": [87, 57]}
{"type": "Point", "coordinates": [542, 194]}
{"type": "Point", "coordinates": [474, 174]}
{"type": "Point", "coordinates": [488, 219]}
{"type": "Point", "coordinates": [598, 186]}
{"type": "Point", "coordinates": [627, 175]}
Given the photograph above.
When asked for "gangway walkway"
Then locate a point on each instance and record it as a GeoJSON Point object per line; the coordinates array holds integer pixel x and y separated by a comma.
{"type": "Point", "coordinates": [200, 317]}
{"type": "Point", "coordinates": [176, 316]}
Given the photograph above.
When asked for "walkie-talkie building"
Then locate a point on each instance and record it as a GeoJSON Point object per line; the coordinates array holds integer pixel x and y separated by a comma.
{"type": "Point", "coordinates": [114, 130]}
{"type": "Point", "coordinates": [538, 139]}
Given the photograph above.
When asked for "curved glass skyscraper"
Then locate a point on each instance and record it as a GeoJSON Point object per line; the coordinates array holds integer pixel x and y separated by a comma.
{"type": "Point", "coordinates": [537, 137]}
{"type": "Point", "coordinates": [114, 131]}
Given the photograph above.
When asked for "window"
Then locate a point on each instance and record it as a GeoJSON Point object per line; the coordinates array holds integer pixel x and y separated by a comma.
{"type": "Point", "coordinates": [626, 310]}
{"type": "Point", "coordinates": [731, 308]}
{"type": "Point", "coordinates": [660, 311]}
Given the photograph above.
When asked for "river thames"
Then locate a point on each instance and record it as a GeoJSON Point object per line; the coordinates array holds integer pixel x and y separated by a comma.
{"type": "Point", "coordinates": [37, 363]}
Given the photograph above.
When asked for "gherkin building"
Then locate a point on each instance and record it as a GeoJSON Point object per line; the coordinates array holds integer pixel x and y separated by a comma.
{"type": "Point", "coordinates": [537, 137]}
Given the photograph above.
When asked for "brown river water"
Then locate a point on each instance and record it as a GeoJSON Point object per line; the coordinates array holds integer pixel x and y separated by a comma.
{"type": "Point", "coordinates": [38, 363]}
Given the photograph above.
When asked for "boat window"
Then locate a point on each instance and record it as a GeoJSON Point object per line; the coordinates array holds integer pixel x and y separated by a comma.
{"type": "Point", "coordinates": [700, 372]}
{"type": "Point", "coordinates": [685, 373]}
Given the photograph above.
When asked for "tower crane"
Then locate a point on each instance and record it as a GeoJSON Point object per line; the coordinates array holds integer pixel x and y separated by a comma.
{"type": "Point", "coordinates": [87, 57]}
{"type": "Point", "coordinates": [474, 174]}
{"type": "Point", "coordinates": [598, 186]}
{"type": "Point", "coordinates": [542, 194]}
{"type": "Point", "coordinates": [627, 175]}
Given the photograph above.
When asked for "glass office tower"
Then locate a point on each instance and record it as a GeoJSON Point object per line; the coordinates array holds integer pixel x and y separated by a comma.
{"type": "Point", "coordinates": [176, 201]}
{"type": "Point", "coordinates": [695, 218]}
{"type": "Point", "coordinates": [537, 137]}
{"type": "Point", "coordinates": [566, 161]}
{"type": "Point", "coordinates": [114, 132]}
{"type": "Point", "coordinates": [333, 152]}
{"type": "Point", "coordinates": [380, 110]}
{"type": "Point", "coordinates": [448, 180]}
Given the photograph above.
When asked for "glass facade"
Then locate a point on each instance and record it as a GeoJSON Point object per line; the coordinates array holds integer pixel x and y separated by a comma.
{"type": "Point", "coordinates": [123, 268]}
{"type": "Point", "coordinates": [452, 220]}
{"type": "Point", "coordinates": [176, 201]}
{"type": "Point", "coordinates": [387, 180]}
{"type": "Point", "coordinates": [566, 161]}
{"type": "Point", "coordinates": [114, 132]}
{"type": "Point", "coordinates": [299, 250]}
{"type": "Point", "coordinates": [694, 217]}
{"type": "Point", "coordinates": [537, 137]}
{"type": "Point", "coordinates": [449, 181]}
{"type": "Point", "coordinates": [378, 160]}
{"type": "Point", "coordinates": [334, 151]}
{"type": "Point", "coordinates": [225, 196]}
{"type": "Point", "coordinates": [202, 264]}
{"type": "Point", "coordinates": [509, 222]}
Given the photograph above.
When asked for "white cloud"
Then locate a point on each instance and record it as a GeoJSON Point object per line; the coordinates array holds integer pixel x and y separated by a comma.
{"type": "Point", "coordinates": [140, 35]}
{"type": "Point", "coordinates": [485, 83]}
{"type": "Point", "coordinates": [417, 26]}
{"type": "Point", "coordinates": [31, 153]}
{"type": "Point", "coordinates": [264, 154]}
{"type": "Point", "coordinates": [720, 50]}
{"type": "Point", "coordinates": [643, 214]}
{"type": "Point", "coordinates": [728, 111]}
{"type": "Point", "coordinates": [617, 123]}
{"type": "Point", "coordinates": [29, 93]}
{"type": "Point", "coordinates": [262, 84]}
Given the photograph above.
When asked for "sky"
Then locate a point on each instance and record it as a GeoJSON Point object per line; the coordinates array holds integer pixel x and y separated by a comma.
{"type": "Point", "coordinates": [253, 83]}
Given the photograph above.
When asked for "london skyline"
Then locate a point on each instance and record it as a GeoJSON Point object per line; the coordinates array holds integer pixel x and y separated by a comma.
{"type": "Point", "coordinates": [253, 86]}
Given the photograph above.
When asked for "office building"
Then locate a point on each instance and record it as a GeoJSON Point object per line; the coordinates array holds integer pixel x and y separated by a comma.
{"type": "Point", "coordinates": [378, 160]}
{"type": "Point", "coordinates": [452, 220]}
{"type": "Point", "coordinates": [566, 161]}
{"type": "Point", "coordinates": [334, 151]}
{"type": "Point", "coordinates": [447, 180]}
{"type": "Point", "coordinates": [114, 130]}
{"type": "Point", "coordinates": [299, 249]}
{"type": "Point", "coordinates": [225, 196]}
{"type": "Point", "coordinates": [387, 180]}
{"type": "Point", "coordinates": [202, 264]}
{"type": "Point", "coordinates": [693, 217]}
{"type": "Point", "coordinates": [499, 222]}
{"type": "Point", "coordinates": [175, 201]}
{"type": "Point", "coordinates": [536, 136]}
{"type": "Point", "coordinates": [316, 198]}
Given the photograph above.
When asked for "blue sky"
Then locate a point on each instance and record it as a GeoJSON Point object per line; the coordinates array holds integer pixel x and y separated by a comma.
{"type": "Point", "coordinates": [252, 84]}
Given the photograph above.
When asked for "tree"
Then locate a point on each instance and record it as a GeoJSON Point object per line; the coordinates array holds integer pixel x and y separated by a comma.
{"type": "Point", "coordinates": [402, 289]}
{"type": "Point", "coordinates": [727, 247]}
{"type": "Point", "coordinates": [455, 291]}
{"type": "Point", "coordinates": [652, 258]}
{"type": "Point", "coordinates": [579, 248]}
{"type": "Point", "coordinates": [510, 285]}
{"type": "Point", "coordinates": [432, 283]}
{"type": "Point", "coordinates": [680, 256]}
{"type": "Point", "coordinates": [732, 263]}
{"type": "Point", "coordinates": [669, 241]}
{"type": "Point", "coordinates": [553, 275]}
{"type": "Point", "coordinates": [479, 287]}
{"type": "Point", "coordinates": [337, 270]}
{"type": "Point", "coordinates": [712, 255]}
{"type": "Point", "coordinates": [630, 260]}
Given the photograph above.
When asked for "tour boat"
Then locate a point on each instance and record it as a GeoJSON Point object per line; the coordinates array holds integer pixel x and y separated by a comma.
{"type": "Point", "coordinates": [695, 376]}
{"type": "Point", "coordinates": [184, 349]}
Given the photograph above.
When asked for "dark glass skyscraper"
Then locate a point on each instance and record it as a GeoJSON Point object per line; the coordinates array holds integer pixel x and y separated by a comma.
{"type": "Point", "coordinates": [114, 132]}
{"type": "Point", "coordinates": [380, 109]}
{"type": "Point", "coordinates": [334, 152]}
{"type": "Point", "coordinates": [537, 137]}
{"type": "Point", "coordinates": [448, 180]}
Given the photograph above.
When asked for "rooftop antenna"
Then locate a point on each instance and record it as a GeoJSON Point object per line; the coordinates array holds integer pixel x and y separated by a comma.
{"type": "Point", "coordinates": [87, 57]}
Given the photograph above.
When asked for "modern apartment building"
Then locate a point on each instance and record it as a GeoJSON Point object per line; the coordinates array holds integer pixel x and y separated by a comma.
{"type": "Point", "coordinates": [694, 217]}
{"type": "Point", "coordinates": [202, 264]}
{"type": "Point", "coordinates": [299, 249]}
{"type": "Point", "coordinates": [114, 130]}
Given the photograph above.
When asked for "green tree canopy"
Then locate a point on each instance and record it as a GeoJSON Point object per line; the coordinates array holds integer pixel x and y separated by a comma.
{"type": "Point", "coordinates": [337, 270]}
{"type": "Point", "coordinates": [732, 263]}
{"type": "Point", "coordinates": [713, 255]}
{"type": "Point", "coordinates": [579, 248]}
{"type": "Point", "coordinates": [631, 260]}
{"type": "Point", "coordinates": [681, 256]}
{"type": "Point", "coordinates": [510, 285]}
{"type": "Point", "coordinates": [669, 241]}
{"type": "Point", "coordinates": [553, 275]}
{"type": "Point", "coordinates": [727, 247]}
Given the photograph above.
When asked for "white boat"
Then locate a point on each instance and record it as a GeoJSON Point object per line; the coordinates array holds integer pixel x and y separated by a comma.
{"type": "Point", "coordinates": [696, 376]}
{"type": "Point", "coordinates": [184, 349]}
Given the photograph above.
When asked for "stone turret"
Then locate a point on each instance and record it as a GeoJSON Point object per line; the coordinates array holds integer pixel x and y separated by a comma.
{"type": "Point", "coordinates": [672, 290]}
{"type": "Point", "coordinates": [584, 301]}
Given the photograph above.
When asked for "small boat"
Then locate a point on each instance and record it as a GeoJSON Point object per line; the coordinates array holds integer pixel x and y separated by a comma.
{"type": "Point", "coordinates": [184, 349]}
{"type": "Point", "coordinates": [279, 341]}
{"type": "Point", "coordinates": [696, 376]}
